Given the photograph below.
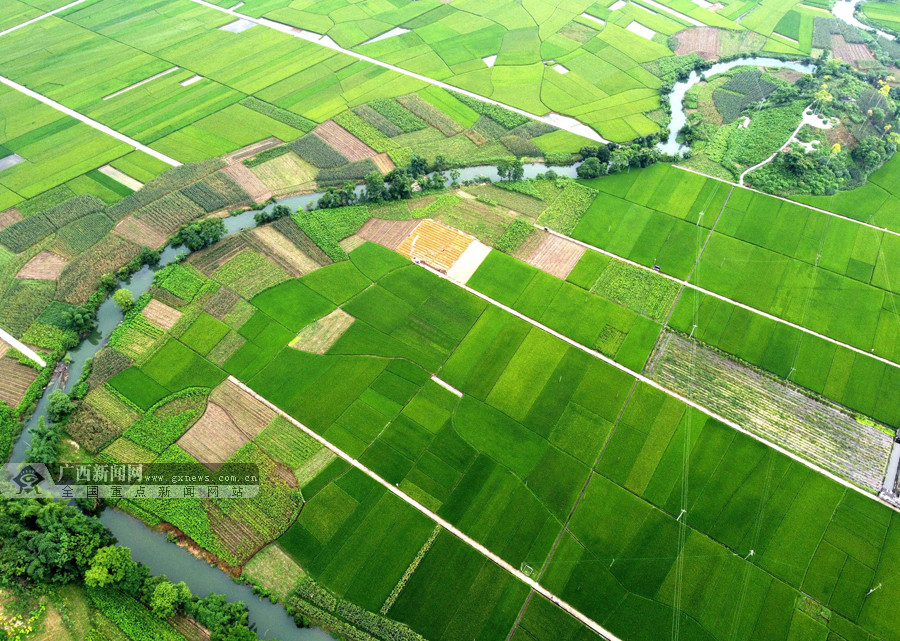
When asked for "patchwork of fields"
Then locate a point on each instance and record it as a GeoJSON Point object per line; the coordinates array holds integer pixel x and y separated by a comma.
{"type": "Point", "coordinates": [665, 400]}
{"type": "Point", "coordinates": [567, 468]}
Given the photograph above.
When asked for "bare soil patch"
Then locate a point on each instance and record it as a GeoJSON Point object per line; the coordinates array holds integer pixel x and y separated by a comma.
{"type": "Point", "coordinates": [388, 233]}
{"type": "Point", "coordinates": [44, 266]}
{"type": "Point", "coordinates": [849, 52]}
{"type": "Point", "coordinates": [320, 335]}
{"type": "Point", "coordinates": [384, 163]}
{"type": "Point", "coordinates": [435, 244]}
{"type": "Point", "coordinates": [279, 248]}
{"type": "Point", "coordinates": [351, 242]}
{"type": "Point", "coordinates": [139, 231]}
{"type": "Point", "coordinates": [251, 150]}
{"type": "Point", "coordinates": [231, 419]}
{"type": "Point", "coordinates": [15, 380]}
{"type": "Point", "coordinates": [10, 216]}
{"type": "Point", "coordinates": [161, 314]}
{"type": "Point", "coordinates": [248, 181]}
{"type": "Point", "coordinates": [286, 174]}
{"type": "Point", "coordinates": [556, 256]}
{"type": "Point", "coordinates": [704, 41]}
{"type": "Point", "coordinates": [352, 147]}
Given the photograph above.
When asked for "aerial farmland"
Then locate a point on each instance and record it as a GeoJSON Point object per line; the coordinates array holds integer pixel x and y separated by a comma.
{"type": "Point", "coordinates": [447, 320]}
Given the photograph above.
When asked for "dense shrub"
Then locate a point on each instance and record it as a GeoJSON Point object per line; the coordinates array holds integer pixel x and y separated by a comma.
{"type": "Point", "coordinates": [277, 113]}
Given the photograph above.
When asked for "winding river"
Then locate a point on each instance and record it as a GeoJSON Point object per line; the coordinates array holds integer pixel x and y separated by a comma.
{"type": "Point", "coordinates": [147, 545]}
{"type": "Point", "coordinates": [151, 547]}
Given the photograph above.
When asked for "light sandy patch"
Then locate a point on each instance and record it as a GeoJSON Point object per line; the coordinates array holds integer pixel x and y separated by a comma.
{"type": "Point", "coordinates": [121, 177]}
{"type": "Point", "coordinates": [349, 145]}
{"type": "Point", "coordinates": [139, 231]}
{"type": "Point", "coordinates": [191, 80]}
{"type": "Point", "coordinates": [619, 4]}
{"type": "Point", "coordinates": [351, 242]}
{"type": "Point", "coordinates": [556, 256]}
{"type": "Point", "coordinates": [248, 181]}
{"type": "Point", "coordinates": [639, 29]}
{"type": "Point", "coordinates": [320, 335]}
{"type": "Point", "coordinates": [10, 216]}
{"type": "Point", "coordinates": [238, 26]}
{"type": "Point", "coordinates": [703, 4]}
{"type": "Point", "coordinates": [588, 16]}
{"type": "Point", "coordinates": [469, 262]}
{"type": "Point", "coordinates": [278, 247]}
{"type": "Point", "coordinates": [251, 150]}
{"type": "Point", "coordinates": [560, 69]}
{"type": "Point", "coordinates": [286, 174]}
{"type": "Point", "coordinates": [15, 380]}
{"type": "Point", "coordinates": [465, 194]}
{"type": "Point", "coordinates": [214, 438]}
{"type": "Point", "coordinates": [384, 163]}
{"type": "Point", "coordinates": [704, 41]}
{"type": "Point", "coordinates": [664, 9]}
{"type": "Point", "coordinates": [161, 314]}
{"type": "Point", "coordinates": [489, 60]}
{"type": "Point", "coordinates": [435, 244]}
{"type": "Point", "coordinates": [142, 82]}
{"type": "Point", "coordinates": [387, 233]}
{"type": "Point", "coordinates": [44, 266]}
{"type": "Point", "coordinates": [231, 419]}
{"type": "Point", "coordinates": [393, 33]}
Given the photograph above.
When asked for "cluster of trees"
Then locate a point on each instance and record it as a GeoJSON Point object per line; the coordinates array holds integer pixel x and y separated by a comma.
{"type": "Point", "coordinates": [199, 235]}
{"type": "Point", "coordinates": [47, 543]}
{"type": "Point", "coordinates": [398, 184]}
{"type": "Point", "coordinates": [44, 447]}
{"type": "Point", "coordinates": [613, 158]}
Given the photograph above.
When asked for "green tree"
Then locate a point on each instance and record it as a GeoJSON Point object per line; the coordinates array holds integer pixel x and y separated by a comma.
{"type": "Point", "coordinates": [201, 234]}
{"type": "Point", "coordinates": [124, 299]}
{"type": "Point", "coordinates": [454, 178]}
{"type": "Point", "coordinates": [44, 447]}
{"type": "Point", "coordinates": [375, 189]}
{"type": "Point", "coordinates": [78, 319]}
{"type": "Point", "coordinates": [591, 168]}
{"type": "Point", "coordinates": [110, 565]}
{"type": "Point", "coordinates": [59, 405]}
{"type": "Point", "coordinates": [278, 211]}
{"type": "Point", "coordinates": [168, 599]}
{"type": "Point", "coordinates": [46, 542]}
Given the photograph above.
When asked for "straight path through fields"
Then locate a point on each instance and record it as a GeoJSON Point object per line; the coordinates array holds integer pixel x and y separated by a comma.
{"type": "Point", "coordinates": [88, 121]}
{"type": "Point", "coordinates": [6, 337]}
{"type": "Point", "coordinates": [41, 17]}
{"type": "Point", "coordinates": [725, 299]}
{"type": "Point", "coordinates": [662, 388]}
{"type": "Point", "coordinates": [565, 123]}
{"type": "Point", "coordinates": [793, 202]}
{"type": "Point", "coordinates": [534, 585]}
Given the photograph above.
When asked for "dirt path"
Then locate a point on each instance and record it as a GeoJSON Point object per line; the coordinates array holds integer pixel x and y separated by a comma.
{"type": "Point", "coordinates": [41, 17]}
{"type": "Point", "coordinates": [662, 388]}
{"type": "Point", "coordinates": [565, 123]}
{"type": "Point", "coordinates": [89, 121]}
{"type": "Point", "coordinates": [8, 338]}
{"type": "Point", "coordinates": [725, 299]}
{"type": "Point", "coordinates": [534, 585]}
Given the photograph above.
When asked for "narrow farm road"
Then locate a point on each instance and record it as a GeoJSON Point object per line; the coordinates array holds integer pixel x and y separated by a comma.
{"type": "Point", "coordinates": [803, 121]}
{"type": "Point", "coordinates": [41, 17]}
{"type": "Point", "coordinates": [662, 388]}
{"type": "Point", "coordinates": [725, 299]}
{"type": "Point", "coordinates": [88, 121]}
{"type": "Point", "coordinates": [534, 585]}
{"type": "Point", "coordinates": [559, 121]}
{"type": "Point", "coordinates": [6, 337]}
